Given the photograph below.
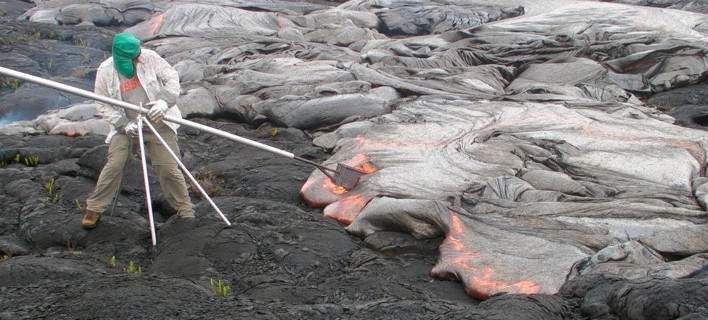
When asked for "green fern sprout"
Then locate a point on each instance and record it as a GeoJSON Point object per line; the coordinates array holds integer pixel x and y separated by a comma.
{"type": "Point", "coordinates": [13, 84]}
{"type": "Point", "coordinates": [133, 267]}
{"type": "Point", "coordinates": [81, 43]}
{"type": "Point", "coordinates": [50, 188]}
{"type": "Point", "coordinates": [31, 161]}
{"type": "Point", "coordinates": [220, 288]}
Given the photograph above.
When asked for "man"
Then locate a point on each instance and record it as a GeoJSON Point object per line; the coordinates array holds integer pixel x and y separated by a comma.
{"type": "Point", "coordinates": [141, 77]}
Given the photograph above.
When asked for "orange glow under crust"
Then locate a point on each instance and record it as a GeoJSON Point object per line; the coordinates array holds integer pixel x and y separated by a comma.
{"type": "Point", "coordinates": [362, 163]}
{"type": "Point", "coordinates": [329, 185]}
{"type": "Point", "coordinates": [280, 22]}
{"type": "Point", "coordinates": [347, 209]}
{"type": "Point", "coordinates": [320, 191]}
{"type": "Point", "coordinates": [367, 168]}
{"type": "Point", "coordinates": [155, 24]}
{"type": "Point", "coordinates": [316, 191]}
{"type": "Point", "coordinates": [457, 262]}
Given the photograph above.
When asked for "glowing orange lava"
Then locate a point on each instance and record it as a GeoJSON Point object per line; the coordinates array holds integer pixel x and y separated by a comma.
{"type": "Point", "coordinates": [155, 24]}
{"type": "Point", "coordinates": [329, 185]}
{"type": "Point", "coordinates": [362, 163]}
{"type": "Point", "coordinates": [457, 261]}
{"type": "Point", "coordinates": [359, 162]}
{"type": "Point", "coordinates": [347, 209]}
{"type": "Point", "coordinates": [72, 133]}
{"type": "Point", "coordinates": [367, 168]}
{"type": "Point", "coordinates": [320, 191]}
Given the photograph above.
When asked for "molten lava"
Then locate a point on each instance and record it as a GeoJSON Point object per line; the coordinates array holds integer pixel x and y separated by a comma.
{"type": "Point", "coordinates": [155, 23]}
{"type": "Point", "coordinates": [329, 185]}
{"type": "Point", "coordinates": [347, 209]}
{"type": "Point", "coordinates": [366, 167]}
{"type": "Point", "coordinates": [320, 191]}
{"type": "Point", "coordinates": [457, 262]}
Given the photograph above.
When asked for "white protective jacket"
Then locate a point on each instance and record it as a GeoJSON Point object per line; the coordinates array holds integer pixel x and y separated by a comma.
{"type": "Point", "coordinates": [159, 79]}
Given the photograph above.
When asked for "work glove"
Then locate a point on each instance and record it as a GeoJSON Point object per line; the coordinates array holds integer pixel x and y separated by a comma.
{"type": "Point", "coordinates": [157, 111]}
{"type": "Point", "coordinates": [131, 129]}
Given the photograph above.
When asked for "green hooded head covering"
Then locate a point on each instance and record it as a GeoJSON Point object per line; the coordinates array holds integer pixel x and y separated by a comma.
{"type": "Point", "coordinates": [126, 47]}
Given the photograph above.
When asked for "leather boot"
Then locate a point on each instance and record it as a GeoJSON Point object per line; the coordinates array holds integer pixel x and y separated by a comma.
{"type": "Point", "coordinates": [90, 219]}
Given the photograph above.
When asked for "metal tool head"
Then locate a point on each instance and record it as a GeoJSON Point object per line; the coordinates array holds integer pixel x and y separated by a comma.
{"type": "Point", "coordinates": [347, 177]}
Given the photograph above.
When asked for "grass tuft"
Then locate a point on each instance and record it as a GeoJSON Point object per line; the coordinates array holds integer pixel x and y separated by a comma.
{"type": "Point", "coordinates": [78, 205]}
{"type": "Point", "coordinates": [133, 267]}
{"type": "Point", "coordinates": [220, 288]}
{"type": "Point", "coordinates": [31, 161]}
{"type": "Point", "coordinates": [12, 84]}
{"type": "Point", "coordinates": [50, 187]}
{"type": "Point", "coordinates": [81, 43]}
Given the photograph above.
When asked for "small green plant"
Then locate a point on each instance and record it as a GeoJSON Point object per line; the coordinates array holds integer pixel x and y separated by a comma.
{"type": "Point", "coordinates": [220, 288]}
{"type": "Point", "coordinates": [2, 13]}
{"type": "Point", "coordinates": [133, 267]}
{"type": "Point", "coordinates": [5, 257]}
{"type": "Point", "coordinates": [78, 205]}
{"type": "Point", "coordinates": [50, 187]}
{"type": "Point", "coordinates": [71, 248]}
{"type": "Point", "coordinates": [17, 158]}
{"type": "Point", "coordinates": [81, 43]}
{"type": "Point", "coordinates": [31, 161]}
{"type": "Point", "coordinates": [12, 84]}
{"type": "Point", "coordinates": [273, 132]}
{"type": "Point", "coordinates": [112, 262]}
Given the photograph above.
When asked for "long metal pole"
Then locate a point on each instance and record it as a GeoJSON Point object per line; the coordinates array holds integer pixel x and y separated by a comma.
{"type": "Point", "coordinates": [129, 106]}
{"type": "Point", "coordinates": [181, 165]}
{"type": "Point", "coordinates": [147, 182]}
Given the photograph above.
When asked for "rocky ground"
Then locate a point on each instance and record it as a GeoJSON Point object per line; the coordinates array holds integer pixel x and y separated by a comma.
{"type": "Point", "coordinates": [524, 159]}
{"type": "Point", "coordinates": [281, 258]}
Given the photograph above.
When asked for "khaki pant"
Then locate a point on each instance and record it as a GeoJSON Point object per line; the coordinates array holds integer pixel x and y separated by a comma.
{"type": "Point", "coordinates": [171, 180]}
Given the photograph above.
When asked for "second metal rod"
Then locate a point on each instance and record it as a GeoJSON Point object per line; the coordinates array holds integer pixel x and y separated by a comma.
{"type": "Point", "coordinates": [147, 182]}
{"type": "Point", "coordinates": [186, 171]}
